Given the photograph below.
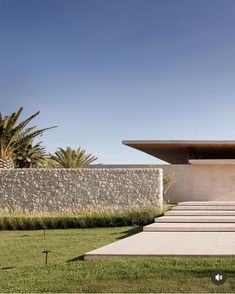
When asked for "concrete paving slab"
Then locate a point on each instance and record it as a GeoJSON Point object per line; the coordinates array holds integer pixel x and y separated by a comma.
{"type": "Point", "coordinates": [198, 228]}
{"type": "Point", "coordinates": [195, 219]}
{"type": "Point", "coordinates": [155, 244]}
{"type": "Point", "coordinates": [205, 207]}
{"type": "Point", "coordinates": [210, 203]}
{"type": "Point", "coordinates": [199, 212]}
{"type": "Point", "coordinates": [190, 227]}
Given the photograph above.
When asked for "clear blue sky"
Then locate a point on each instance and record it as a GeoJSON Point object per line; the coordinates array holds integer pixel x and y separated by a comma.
{"type": "Point", "coordinates": [108, 70]}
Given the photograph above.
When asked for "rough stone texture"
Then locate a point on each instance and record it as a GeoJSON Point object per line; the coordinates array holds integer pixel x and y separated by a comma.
{"type": "Point", "coordinates": [71, 190]}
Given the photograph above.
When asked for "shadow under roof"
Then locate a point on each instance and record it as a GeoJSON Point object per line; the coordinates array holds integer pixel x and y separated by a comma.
{"type": "Point", "coordinates": [181, 151]}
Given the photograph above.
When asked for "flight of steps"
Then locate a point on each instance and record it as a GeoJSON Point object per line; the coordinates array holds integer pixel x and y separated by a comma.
{"type": "Point", "coordinates": [198, 229]}
{"type": "Point", "coordinates": [197, 216]}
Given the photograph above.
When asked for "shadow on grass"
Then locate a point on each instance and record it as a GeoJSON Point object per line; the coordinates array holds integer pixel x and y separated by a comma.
{"type": "Point", "coordinates": [127, 233]}
{"type": "Point", "coordinates": [7, 268]}
{"type": "Point", "coordinates": [77, 258]}
{"type": "Point", "coordinates": [19, 236]}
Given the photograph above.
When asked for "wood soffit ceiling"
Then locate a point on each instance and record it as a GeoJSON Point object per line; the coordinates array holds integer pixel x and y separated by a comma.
{"type": "Point", "coordinates": [181, 151]}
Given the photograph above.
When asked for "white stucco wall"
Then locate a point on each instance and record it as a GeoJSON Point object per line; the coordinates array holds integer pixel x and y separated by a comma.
{"type": "Point", "coordinates": [201, 182]}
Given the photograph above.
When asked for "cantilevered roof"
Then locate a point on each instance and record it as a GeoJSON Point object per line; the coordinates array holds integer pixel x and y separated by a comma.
{"type": "Point", "coordinates": [181, 151]}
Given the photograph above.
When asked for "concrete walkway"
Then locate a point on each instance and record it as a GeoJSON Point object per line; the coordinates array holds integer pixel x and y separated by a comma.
{"type": "Point", "coordinates": [189, 229]}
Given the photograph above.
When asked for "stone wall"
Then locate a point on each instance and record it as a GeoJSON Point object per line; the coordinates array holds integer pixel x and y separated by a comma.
{"type": "Point", "coordinates": [70, 190]}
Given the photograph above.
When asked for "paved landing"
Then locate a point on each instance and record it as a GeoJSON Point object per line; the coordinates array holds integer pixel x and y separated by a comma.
{"type": "Point", "coordinates": [200, 213]}
{"type": "Point", "coordinates": [169, 244]}
{"type": "Point", "coordinates": [205, 207]}
{"type": "Point", "coordinates": [196, 219]}
{"type": "Point", "coordinates": [210, 203]}
{"type": "Point", "coordinates": [192, 228]}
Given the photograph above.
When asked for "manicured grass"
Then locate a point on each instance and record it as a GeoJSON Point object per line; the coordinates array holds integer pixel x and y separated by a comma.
{"type": "Point", "coordinates": [22, 265]}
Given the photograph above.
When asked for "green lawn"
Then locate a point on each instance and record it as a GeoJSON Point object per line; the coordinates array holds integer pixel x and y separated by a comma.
{"type": "Point", "coordinates": [22, 265]}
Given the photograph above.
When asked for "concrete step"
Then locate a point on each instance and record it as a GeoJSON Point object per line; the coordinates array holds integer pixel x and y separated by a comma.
{"type": "Point", "coordinates": [205, 207]}
{"type": "Point", "coordinates": [190, 227]}
{"type": "Point", "coordinates": [195, 219]}
{"type": "Point", "coordinates": [199, 212]}
{"type": "Point", "coordinates": [168, 244]}
{"type": "Point", "coordinates": [207, 203]}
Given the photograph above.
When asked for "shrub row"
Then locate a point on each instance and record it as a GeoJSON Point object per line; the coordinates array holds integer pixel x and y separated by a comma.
{"type": "Point", "coordinates": [137, 217]}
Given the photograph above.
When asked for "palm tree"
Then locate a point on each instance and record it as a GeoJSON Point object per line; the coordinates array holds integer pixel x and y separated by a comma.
{"type": "Point", "coordinates": [30, 155]}
{"type": "Point", "coordinates": [13, 135]}
{"type": "Point", "coordinates": [71, 158]}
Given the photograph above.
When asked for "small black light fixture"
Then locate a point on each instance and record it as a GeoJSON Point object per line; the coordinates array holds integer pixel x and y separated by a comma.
{"type": "Point", "coordinates": [44, 230]}
{"type": "Point", "coordinates": [46, 255]}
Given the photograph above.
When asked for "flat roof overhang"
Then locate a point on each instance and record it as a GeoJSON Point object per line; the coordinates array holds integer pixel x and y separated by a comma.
{"type": "Point", "coordinates": [182, 151]}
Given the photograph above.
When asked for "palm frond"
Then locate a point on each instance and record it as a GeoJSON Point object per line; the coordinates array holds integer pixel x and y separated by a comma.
{"type": "Point", "coordinates": [71, 158]}
{"type": "Point", "coordinates": [14, 135]}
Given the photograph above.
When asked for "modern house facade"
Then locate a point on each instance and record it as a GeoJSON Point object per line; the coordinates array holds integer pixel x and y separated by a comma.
{"type": "Point", "coordinates": [204, 170]}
